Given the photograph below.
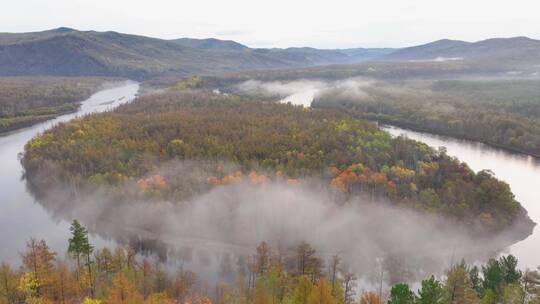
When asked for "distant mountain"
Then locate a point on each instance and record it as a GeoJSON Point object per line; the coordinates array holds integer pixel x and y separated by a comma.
{"type": "Point", "coordinates": [501, 50]}
{"type": "Point", "coordinates": [11, 38]}
{"type": "Point", "coordinates": [211, 44]}
{"type": "Point", "coordinates": [309, 55]}
{"type": "Point", "coordinates": [69, 52]}
{"type": "Point", "coordinates": [364, 54]}
{"type": "Point", "coordinates": [298, 54]}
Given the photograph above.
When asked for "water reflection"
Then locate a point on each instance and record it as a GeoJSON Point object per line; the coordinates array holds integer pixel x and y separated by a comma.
{"type": "Point", "coordinates": [20, 216]}
{"type": "Point", "coordinates": [521, 172]}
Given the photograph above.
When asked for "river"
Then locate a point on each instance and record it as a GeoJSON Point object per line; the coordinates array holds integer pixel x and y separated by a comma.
{"type": "Point", "coordinates": [20, 216]}
{"type": "Point", "coordinates": [520, 171]}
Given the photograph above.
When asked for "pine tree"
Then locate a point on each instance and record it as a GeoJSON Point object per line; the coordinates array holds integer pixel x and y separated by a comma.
{"type": "Point", "coordinates": [432, 292]}
{"type": "Point", "coordinates": [401, 294]}
{"type": "Point", "coordinates": [79, 247]}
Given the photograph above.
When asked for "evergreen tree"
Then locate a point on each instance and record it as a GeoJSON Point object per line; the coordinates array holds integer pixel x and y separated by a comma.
{"type": "Point", "coordinates": [432, 292]}
{"type": "Point", "coordinates": [78, 242]}
{"type": "Point", "coordinates": [80, 247]}
{"type": "Point", "coordinates": [401, 294]}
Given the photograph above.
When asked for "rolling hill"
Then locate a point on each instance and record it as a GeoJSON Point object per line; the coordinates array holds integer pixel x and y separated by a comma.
{"type": "Point", "coordinates": [516, 50]}
{"type": "Point", "coordinates": [211, 44]}
{"type": "Point", "coordinates": [68, 52]}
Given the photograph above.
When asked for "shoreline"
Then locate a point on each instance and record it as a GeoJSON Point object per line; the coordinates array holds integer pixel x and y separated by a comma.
{"type": "Point", "coordinates": [412, 127]}
{"type": "Point", "coordinates": [27, 124]}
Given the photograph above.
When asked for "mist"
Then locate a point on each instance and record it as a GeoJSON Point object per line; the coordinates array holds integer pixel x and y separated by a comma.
{"type": "Point", "coordinates": [304, 91]}
{"type": "Point", "coordinates": [213, 232]}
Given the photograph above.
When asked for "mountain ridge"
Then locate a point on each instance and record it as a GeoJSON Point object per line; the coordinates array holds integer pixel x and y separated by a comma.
{"type": "Point", "coordinates": [513, 48]}
{"type": "Point", "coordinates": [69, 52]}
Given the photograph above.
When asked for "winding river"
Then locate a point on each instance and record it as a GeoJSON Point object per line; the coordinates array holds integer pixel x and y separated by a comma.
{"type": "Point", "coordinates": [520, 171]}
{"type": "Point", "coordinates": [20, 216]}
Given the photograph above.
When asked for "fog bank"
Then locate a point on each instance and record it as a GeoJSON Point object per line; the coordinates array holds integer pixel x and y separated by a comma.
{"type": "Point", "coordinates": [212, 233]}
{"type": "Point", "coordinates": [304, 91]}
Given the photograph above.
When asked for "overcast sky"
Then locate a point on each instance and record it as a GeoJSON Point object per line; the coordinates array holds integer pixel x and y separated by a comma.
{"type": "Point", "coordinates": [283, 23]}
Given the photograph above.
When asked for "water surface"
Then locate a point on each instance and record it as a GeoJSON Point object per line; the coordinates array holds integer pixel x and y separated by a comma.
{"type": "Point", "coordinates": [521, 172]}
{"type": "Point", "coordinates": [21, 217]}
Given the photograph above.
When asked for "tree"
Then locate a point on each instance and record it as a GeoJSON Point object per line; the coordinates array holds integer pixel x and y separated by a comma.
{"type": "Point", "coordinates": [510, 272]}
{"type": "Point", "coordinates": [321, 293]}
{"type": "Point", "coordinates": [370, 298]}
{"type": "Point", "coordinates": [302, 291]}
{"type": "Point", "coordinates": [38, 259]}
{"type": "Point", "coordinates": [513, 294]}
{"type": "Point", "coordinates": [476, 281]}
{"type": "Point", "coordinates": [123, 292]}
{"type": "Point", "coordinates": [493, 275]}
{"type": "Point", "coordinates": [307, 261]}
{"type": "Point", "coordinates": [182, 284]}
{"type": "Point", "coordinates": [262, 258]}
{"type": "Point", "coordinates": [458, 286]}
{"type": "Point", "coordinates": [489, 297]}
{"type": "Point", "coordinates": [65, 286]}
{"type": "Point", "coordinates": [432, 292]}
{"type": "Point", "coordinates": [77, 242]}
{"type": "Point", "coordinates": [8, 285]}
{"type": "Point", "coordinates": [531, 284]}
{"type": "Point", "coordinates": [78, 247]}
{"type": "Point", "coordinates": [401, 294]}
{"type": "Point", "coordinates": [334, 268]}
{"type": "Point", "coordinates": [349, 280]}
{"type": "Point", "coordinates": [28, 285]}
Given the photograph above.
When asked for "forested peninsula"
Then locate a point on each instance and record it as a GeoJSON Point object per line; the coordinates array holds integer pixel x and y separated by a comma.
{"type": "Point", "coordinates": [266, 142]}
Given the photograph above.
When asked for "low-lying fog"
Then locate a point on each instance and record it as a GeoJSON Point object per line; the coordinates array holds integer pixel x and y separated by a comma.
{"type": "Point", "coordinates": [303, 92]}
{"type": "Point", "coordinates": [212, 233]}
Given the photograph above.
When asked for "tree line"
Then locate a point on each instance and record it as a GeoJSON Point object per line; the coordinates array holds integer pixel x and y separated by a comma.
{"type": "Point", "coordinates": [28, 100]}
{"type": "Point", "coordinates": [268, 275]}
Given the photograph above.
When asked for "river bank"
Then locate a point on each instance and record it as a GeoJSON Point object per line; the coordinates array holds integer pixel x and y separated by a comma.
{"type": "Point", "coordinates": [417, 128]}
{"type": "Point", "coordinates": [521, 172]}
{"type": "Point", "coordinates": [22, 217]}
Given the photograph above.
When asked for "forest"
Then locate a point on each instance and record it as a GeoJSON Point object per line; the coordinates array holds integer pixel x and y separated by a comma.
{"type": "Point", "coordinates": [232, 139]}
{"type": "Point", "coordinates": [499, 112]}
{"type": "Point", "coordinates": [446, 98]}
{"type": "Point", "coordinates": [268, 275]}
{"type": "Point", "coordinates": [28, 100]}
{"type": "Point", "coordinates": [502, 113]}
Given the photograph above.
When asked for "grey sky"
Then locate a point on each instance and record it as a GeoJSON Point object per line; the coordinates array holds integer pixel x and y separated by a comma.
{"type": "Point", "coordinates": [282, 23]}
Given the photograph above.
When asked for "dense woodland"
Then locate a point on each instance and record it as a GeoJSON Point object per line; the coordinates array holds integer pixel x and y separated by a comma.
{"type": "Point", "coordinates": [28, 100]}
{"type": "Point", "coordinates": [232, 138]}
{"type": "Point", "coordinates": [502, 113]}
{"type": "Point", "coordinates": [298, 276]}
